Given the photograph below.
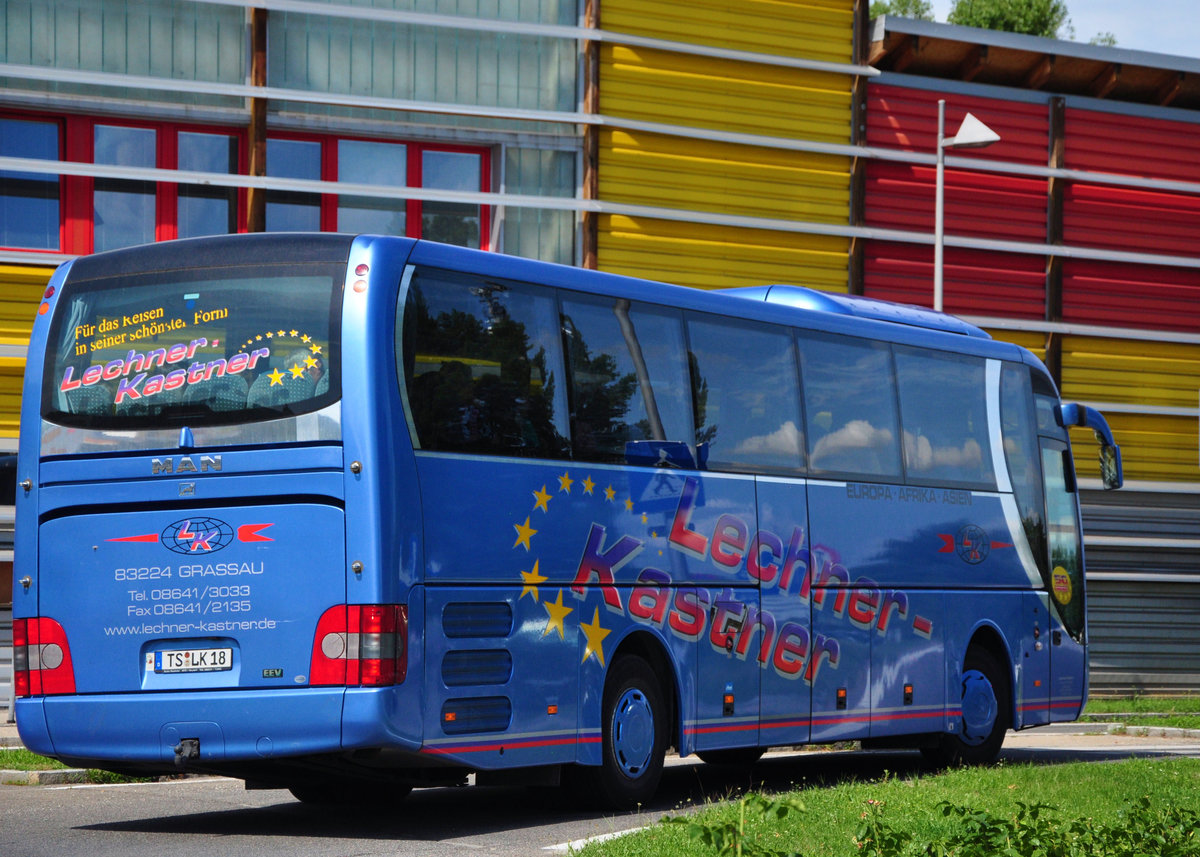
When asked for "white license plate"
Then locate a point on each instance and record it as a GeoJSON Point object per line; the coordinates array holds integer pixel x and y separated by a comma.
{"type": "Point", "coordinates": [190, 660]}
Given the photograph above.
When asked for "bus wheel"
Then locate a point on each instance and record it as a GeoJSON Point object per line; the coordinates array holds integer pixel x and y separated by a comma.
{"type": "Point", "coordinates": [634, 733]}
{"type": "Point", "coordinates": [986, 714]}
{"type": "Point", "coordinates": [734, 757]}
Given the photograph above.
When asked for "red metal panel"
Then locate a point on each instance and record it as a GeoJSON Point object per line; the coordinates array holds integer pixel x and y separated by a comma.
{"type": "Point", "coordinates": [1135, 220]}
{"type": "Point", "coordinates": [976, 282]}
{"type": "Point", "coordinates": [1140, 296]}
{"type": "Point", "coordinates": [901, 196]}
{"type": "Point", "coordinates": [1132, 145]}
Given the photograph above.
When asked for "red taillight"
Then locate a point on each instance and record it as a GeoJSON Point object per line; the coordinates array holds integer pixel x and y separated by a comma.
{"type": "Point", "coordinates": [361, 644]}
{"type": "Point", "coordinates": [41, 658]}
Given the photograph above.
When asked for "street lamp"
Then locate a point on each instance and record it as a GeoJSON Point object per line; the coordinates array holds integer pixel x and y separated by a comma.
{"type": "Point", "coordinates": [972, 134]}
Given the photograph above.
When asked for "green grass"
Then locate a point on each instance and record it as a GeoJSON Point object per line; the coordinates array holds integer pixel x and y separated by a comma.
{"type": "Point", "coordinates": [20, 759]}
{"type": "Point", "coordinates": [1182, 712]}
{"type": "Point", "coordinates": [832, 815]}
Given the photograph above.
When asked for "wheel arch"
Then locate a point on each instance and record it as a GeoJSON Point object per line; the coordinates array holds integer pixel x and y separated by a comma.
{"type": "Point", "coordinates": [653, 651]}
{"type": "Point", "coordinates": [987, 637]}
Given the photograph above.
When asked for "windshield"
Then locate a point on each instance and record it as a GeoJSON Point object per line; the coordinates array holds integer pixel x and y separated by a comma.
{"type": "Point", "coordinates": [201, 346]}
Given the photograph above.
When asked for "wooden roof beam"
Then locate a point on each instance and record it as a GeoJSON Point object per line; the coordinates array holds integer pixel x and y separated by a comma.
{"type": "Point", "coordinates": [1040, 73]}
{"type": "Point", "coordinates": [1106, 81]}
{"type": "Point", "coordinates": [892, 44]}
{"type": "Point", "coordinates": [973, 63]}
{"type": "Point", "coordinates": [1169, 89]}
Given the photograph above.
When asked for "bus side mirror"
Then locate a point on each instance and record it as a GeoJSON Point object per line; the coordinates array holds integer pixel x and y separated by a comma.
{"type": "Point", "coordinates": [1111, 472]}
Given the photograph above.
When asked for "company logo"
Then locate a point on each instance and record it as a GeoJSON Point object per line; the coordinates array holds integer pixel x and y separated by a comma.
{"type": "Point", "coordinates": [197, 536]}
{"type": "Point", "coordinates": [185, 464]}
{"type": "Point", "coordinates": [1062, 585]}
{"type": "Point", "coordinates": [972, 544]}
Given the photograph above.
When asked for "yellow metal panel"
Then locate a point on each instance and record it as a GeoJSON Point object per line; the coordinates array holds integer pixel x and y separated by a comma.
{"type": "Point", "coordinates": [660, 86]}
{"type": "Point", "coordinates": [21, 288]}
{"type": "Point", "coordinates": [712, 257]}
{"type": "Point", "coordinates": [1141, 372]}
{"type": "Point", "coordinates": [1133, 371]}
{"type": "Point", "coordinates": [12, 376]}
{"type": "Point", "coordinates": [813, 29]}
{"type": "Point", "coordinates": [650, 169]}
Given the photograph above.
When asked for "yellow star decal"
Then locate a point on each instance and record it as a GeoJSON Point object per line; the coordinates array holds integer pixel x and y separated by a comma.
{"type": "Point", "coordinates": [532, 579]}
{"type": "Point", "coordinates": [629, 505]}
{"type": "Point", "coordinates": [645, 519]}
{"type": "Point", "coordinates": [565, 482]}
{"type": "Point", "coordinates": [588, 485]}
{"type": "Point", "coordinates": [297, 371]}
{"type": "Point", "coordinates": [524, 533]}
{"type": "Point", "coordinates": [258, 338]}
{"type": "Point", "coordinates": [310, 362]}
{"type": "Point", "coordinates": [557, 612]}
{"type": "Point", "coordinates": [270, 335]}
{"type": "Point", "coordinates": [276, 377]}
{"type": "Point", "coordinates": [542, 499]}
{"type": "Point", "coordinates": [595, 638]}
{"type": "Point", "coordinates": [609, 493]}
{"type": "Point", "coordinates": [306, 338]}
{"type": "Point", "coordinates": [294, 333]}
{"type": "Point", "coordinates": [281, 333]}
{"type": "Point", "coordinates": [314, 348]}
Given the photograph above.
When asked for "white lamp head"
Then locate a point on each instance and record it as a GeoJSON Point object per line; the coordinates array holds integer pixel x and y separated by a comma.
{"type": "Point", "coordinates": [972, 134]}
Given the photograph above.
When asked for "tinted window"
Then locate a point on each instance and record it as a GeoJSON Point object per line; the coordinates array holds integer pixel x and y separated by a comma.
{"type": "Point", "coordinates": [746, 395]}
{"type": "Point", "coordinates": [944, 414]}
{"type": "Point", "coordinates": [850, 403]}
{"type": "Point", "coordinates": [481, 361]}
{"type": "Point", "coordinates": [291, 211]}
{"type": "Point", "coordinates": [206, 210]}
{"type": "Point", "coordinates": [197, 347]}
{"type": "Point", "coordinates": [124, 211]}
{"type": "Point", "coordinates": [628, 376]}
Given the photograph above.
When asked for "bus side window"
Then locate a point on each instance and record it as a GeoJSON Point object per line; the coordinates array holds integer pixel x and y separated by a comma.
{"type": "Point", "coordinates": [850, 403]}
{"type": "Point", "coordinates": [628, 383]}
{"type": "Point", "coordinates": [747, 395]}
{"type": "Point", "coordinates": [486, 370]}
{"type": "Point", "coordinates": [943, 413]}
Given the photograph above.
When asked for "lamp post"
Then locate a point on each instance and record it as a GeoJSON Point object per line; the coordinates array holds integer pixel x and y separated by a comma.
{"type": "Point", "coordinates": [972, 134]}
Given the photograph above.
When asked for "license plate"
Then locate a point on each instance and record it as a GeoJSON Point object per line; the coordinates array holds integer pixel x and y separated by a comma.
{"type": "Point", "coordinates": [191, 660]}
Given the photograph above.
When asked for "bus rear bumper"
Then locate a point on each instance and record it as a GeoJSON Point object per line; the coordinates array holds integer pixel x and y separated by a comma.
{"type": "Point", "coordinates": [220, 726]}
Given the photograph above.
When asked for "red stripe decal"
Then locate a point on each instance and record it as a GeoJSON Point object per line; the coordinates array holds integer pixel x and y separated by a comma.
{"type": "Point", "coordinates": [152, 537]}
{"type": "Point", "coordinates": [250, 533]}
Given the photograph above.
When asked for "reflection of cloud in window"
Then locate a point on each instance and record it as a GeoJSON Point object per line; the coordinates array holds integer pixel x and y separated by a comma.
{"type": "Point", "coordinates": [920, 454]}
{"type": "Point", "coordinates": [786, 441]}
{"type": "Point", "coordinates": [854, 436]}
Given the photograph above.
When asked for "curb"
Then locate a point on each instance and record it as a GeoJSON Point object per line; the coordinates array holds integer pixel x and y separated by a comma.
{"type": "Point", "coordinates": [58, 777]}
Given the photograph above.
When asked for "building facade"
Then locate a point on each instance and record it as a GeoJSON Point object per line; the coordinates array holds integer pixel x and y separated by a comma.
{"type": "Point", "coordinates": [710, 144]}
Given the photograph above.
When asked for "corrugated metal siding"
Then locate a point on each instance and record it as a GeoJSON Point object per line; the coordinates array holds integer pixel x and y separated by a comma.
{"type": "Point", "coordinates": [1120, 295]}
{"type": "Point", "coordinates": [702, 176]}
{"type": "Point", "coordinates": [814, 29]}
{"type": "Point", "coordinates": [1035, 342]}
{"type": "Point", "coordinates": [21, 288]}
{"type": "Point", "coordinates": [1141, 372]}
{"type": "Point", "coordinates": [713, 257]}
{"type": "Point", "coordinates": [976, 282]}
{"type": "Point", "coordinates": [1143, 591]}
{"type": "Point", "coordinates": [1116, 143]}
{"type": "Point", "coordinates": [1140, 221]}
{"type": "Point", "coordinates": [901, 196]}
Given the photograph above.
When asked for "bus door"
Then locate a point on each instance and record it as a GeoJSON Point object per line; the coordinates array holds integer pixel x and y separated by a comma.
{"type": "Point", "coordinates": [1068, 638]}
{"type": "Point", "coordinates": [778, 559]}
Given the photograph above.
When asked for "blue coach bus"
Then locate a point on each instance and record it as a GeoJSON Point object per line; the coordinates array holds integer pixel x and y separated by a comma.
{"type": "Point", "coordinates": [349, 515]}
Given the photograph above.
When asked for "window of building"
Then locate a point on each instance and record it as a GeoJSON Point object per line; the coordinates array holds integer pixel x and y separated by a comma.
{"type": "Point", "coordinates": [29, 202]}
{"type": "Point", "coordinates": [106, 213]}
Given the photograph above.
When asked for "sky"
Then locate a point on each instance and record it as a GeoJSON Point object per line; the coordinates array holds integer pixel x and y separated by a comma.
{"type": "Point", "coordinates": [1160, 26]}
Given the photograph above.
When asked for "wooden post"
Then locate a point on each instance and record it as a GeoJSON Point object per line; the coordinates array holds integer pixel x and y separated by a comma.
{"type": "Point", "coordinates": [256, 198]}
{"type": "Point", "coordinates": [591, 136]}
{"type": "Point", "coordinates": [1054, 235]}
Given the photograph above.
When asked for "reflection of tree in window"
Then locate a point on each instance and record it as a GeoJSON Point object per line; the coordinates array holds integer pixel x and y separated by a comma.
{"type": "Point", "coordinates": [600, 402]}
{"type": "Point", "coordinates": [486, 394]}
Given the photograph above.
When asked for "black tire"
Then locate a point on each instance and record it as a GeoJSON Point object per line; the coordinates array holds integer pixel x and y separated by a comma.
{"type": "Point", "coordinates": [634, 729]}
{"type": "Point", "coordinates": [346, 794]}
{"type": "Point", "coordinates": [734, 757]}
{"type": "Point", "coordinates": [986, 702]}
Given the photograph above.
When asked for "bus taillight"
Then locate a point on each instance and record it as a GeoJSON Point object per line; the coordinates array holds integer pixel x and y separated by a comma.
{"type": "Point", "coordinates": [41, 658]}
{"type": "Point", "coordinates": [361, 644]}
